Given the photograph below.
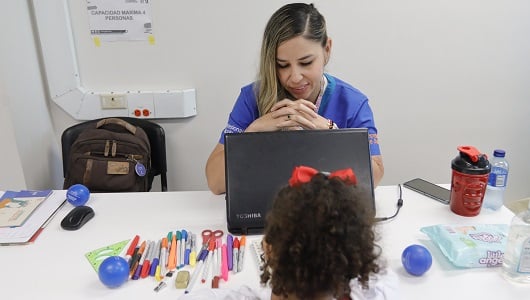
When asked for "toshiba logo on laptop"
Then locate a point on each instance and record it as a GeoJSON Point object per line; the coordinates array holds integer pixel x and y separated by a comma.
{"type": "Point", "coordinates": [254, 215]}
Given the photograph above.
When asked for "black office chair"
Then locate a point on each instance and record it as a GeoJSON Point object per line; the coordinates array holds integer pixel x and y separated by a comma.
{"type": "Point", "coordinates": [157, 139]}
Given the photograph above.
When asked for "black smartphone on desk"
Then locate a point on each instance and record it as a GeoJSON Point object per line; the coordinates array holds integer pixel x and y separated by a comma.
{"type": "Point", "coordinates": [429, 189]}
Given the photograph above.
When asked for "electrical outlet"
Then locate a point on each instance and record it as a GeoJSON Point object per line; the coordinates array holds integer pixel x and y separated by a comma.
{"type": "Point", "coordinates": [113, 101]}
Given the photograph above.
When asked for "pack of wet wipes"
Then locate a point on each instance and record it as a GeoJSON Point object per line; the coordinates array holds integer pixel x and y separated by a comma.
{"type": "Point", "coordinates": [470, 246]}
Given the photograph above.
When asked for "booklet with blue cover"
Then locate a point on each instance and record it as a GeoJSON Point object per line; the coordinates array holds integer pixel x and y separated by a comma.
{"type": "Point", "coordinates": [17, 206]}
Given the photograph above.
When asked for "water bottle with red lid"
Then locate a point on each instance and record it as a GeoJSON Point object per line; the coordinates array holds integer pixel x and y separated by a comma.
{"type": "Point", "coordinates": [469, 179]}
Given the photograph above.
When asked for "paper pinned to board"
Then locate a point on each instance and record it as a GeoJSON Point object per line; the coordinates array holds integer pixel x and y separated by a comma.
{"type": "Point", "coordinates": [120, 20]}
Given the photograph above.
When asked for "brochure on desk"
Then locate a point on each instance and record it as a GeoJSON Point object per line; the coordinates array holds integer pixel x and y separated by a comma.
{"type": "Point", "coordinates": [28, 231]}
{"type": "Point", "coordinates": [17, 206]}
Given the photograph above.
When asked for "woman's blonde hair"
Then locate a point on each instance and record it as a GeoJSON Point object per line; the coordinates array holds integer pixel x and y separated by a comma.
{"type": "Point", "coordinates": [291, 20]}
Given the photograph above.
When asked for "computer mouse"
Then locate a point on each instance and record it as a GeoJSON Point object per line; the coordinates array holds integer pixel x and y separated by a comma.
{"type": "Point", "coordinates": [77, 217]}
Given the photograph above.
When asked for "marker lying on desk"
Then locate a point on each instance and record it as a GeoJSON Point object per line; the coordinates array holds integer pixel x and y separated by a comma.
{"type": "Point", "coordinates": [155, 259]}
{"type": "Point", "coordinates": [224, 263]}
{"type": "Point", "coordinates": [140, 265]}
{"type": "Point", "coordinates": [171, 260]}
{"type": "Point", "coordinates": [193, 254]}
{"type": "Point", "coordinates": [136, 259]}
{"type": "Point", "coordinates": [219, 245]}
{"type": "Point", "coordinates": [187, 250]}
{"type": "Point", "coordinates": [177, 254]}
{"type": "Point", "coordinates": [161, 271]}
{"type": "Point", "coordinates": [241, 259]}
{"type": "Point", "coordinates": [183, 237]}
{"type": "Point", "coordinates": [216, 265]}
{"type": "Point", "coordinates": [209, 261]}
{"type": "Point", "coordinates": [146, 266]}
{"type": "Point", "coordinates": [130, 250]}
{"type": "Point", "coordinates": [229, 250]}
{"type": "Point", "coordinates": [197, 272]}
{"type": "Point", "coordinates": [235, 255]}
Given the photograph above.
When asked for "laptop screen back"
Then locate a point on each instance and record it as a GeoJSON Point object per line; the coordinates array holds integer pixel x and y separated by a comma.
{"type": "Point", "coordinates": [259, 164]}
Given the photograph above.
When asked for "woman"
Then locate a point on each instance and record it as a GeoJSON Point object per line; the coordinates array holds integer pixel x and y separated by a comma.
{"type": "Point", "coordinates": [293, 92]}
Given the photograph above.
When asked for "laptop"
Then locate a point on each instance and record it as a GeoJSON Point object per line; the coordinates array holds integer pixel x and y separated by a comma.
{"type": "Point", "coordinates": [259, 164]}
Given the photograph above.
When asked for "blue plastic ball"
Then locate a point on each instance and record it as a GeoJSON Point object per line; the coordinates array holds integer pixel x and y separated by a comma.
{"type": "Point", "coordinates": [416, 260]}
{"type": "Point", "coordinates": [113, 271]}
{"type": "Point", "coordinates": [77, 195]}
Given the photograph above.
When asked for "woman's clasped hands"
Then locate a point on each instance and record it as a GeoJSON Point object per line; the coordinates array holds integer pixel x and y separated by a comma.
{"type": "Point", "coordinates": [290, 115]}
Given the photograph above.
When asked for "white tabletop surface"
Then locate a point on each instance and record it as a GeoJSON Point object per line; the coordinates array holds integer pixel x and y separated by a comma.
{"type": "Point", "coordinates": [55, 265]}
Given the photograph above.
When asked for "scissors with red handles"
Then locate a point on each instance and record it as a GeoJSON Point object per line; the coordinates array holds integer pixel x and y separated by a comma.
{"type": "Point", "coordinates": [208, 234]}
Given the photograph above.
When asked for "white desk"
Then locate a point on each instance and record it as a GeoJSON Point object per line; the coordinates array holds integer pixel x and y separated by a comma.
{"type": "Point", "coordinates": [55, 265]}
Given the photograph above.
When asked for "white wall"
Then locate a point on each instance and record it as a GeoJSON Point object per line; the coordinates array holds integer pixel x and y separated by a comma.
{"type": "Point", "coordinates": [11, 176]}
{"type": "Point", "coordinates": [435, 72]}
{"type": "Point", "coordinates": [29, 144]}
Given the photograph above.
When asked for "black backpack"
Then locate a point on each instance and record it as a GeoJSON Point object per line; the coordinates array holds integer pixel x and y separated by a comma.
{"type": "Point", "coordinates": [111, 156]}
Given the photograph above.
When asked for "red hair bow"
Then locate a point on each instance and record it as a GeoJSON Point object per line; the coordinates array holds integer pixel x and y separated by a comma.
{"type": "Point", "coordinates": [303, 174]}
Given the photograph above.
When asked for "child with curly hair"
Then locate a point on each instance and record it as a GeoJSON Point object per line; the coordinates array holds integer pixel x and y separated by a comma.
{"type": "Point", "coordinates": [319, 244]}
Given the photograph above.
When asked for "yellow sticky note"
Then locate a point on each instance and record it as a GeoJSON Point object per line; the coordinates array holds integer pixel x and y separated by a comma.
{"type": "Point", "coordinates": [97, 41]}
{"type": "Point", "coordinates": [151, 39]}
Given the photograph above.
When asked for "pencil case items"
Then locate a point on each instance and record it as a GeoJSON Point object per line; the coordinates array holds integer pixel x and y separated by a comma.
{"type": "Point", "coordinates": [470, 246]}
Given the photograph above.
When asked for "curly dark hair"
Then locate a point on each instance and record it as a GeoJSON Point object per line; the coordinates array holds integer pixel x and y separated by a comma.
{"type": "Point", "coordinates": [320, 235]}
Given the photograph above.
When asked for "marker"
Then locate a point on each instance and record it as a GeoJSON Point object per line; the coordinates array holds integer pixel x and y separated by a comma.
{"type": "Point", "coordinates": [130, 250]}
{"type": "Point", "coordinates": [136, 259]}
{"type": "Point", "coordinates": [209, 260]}
{"type": "Point", "coordinates": [215, 263]}
{"type": "Point", "coordinates": [224, 263]}
{"type": "Point", "coordinates": [163, 261]}
{"type": "Point", "coordinates": [146, 266]}
{"type": "Point", "coordinates": [155, 259]}
{"type": "Point", "coordinates": [193, 254]}
{"type": "Point", "coordinates": [183, 237]}
{"type": "Point", "coordinates": [242, 246]}
{"type": "Point", "coordinates": [187, 250]}
{"type": "Point", "coordinates": [235, 255]}
{"type": "Point", "coordinates": [197, 271]}
{"type": "Point", "coordinates": [229, 250]}
{"type": "Point", "coordinates": [171, 260]}
{"type": "Point", "coordinates": [177, 254]}
{"type": "Point", "coordinates": [139, 265]}
{"type": "Point", "coordinates": [219, 245]}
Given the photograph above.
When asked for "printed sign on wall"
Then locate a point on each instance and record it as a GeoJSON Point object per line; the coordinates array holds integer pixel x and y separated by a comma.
{"type": "Point", "coordinates": [120, 20]}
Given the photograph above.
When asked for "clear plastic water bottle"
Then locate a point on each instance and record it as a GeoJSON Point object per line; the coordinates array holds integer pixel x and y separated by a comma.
{"type": "Point", "coordinates": [494, 197]}
{"type": "Point", "coordinates": [516, 263]}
